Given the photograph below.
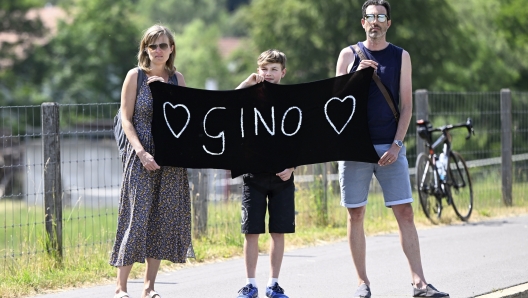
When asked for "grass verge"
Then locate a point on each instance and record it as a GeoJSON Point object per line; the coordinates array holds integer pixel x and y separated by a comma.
{"type": "Point", "coordinates": [88, 241]}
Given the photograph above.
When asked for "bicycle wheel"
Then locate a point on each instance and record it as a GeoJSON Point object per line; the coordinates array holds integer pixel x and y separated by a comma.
{"type": "Point", "coordinates": [425, 187]}
{"type": "Point", "coordinates": [459, 189]}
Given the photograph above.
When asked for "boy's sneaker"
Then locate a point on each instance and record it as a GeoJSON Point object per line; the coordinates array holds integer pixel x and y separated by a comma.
{"type": "Point", "coordinates": [429, 291]}
{"type": "Point", "coordinates": [275, 292]}
{"type": "Point", "coordinates": [363, 291]}
{"type": "Point", "coordinates": [248, 291]}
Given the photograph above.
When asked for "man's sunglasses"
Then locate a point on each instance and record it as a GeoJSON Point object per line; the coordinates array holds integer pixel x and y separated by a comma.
{"type": "Point", "coordinates": [371, 17]}
{"type": "Point", "coordinates": [162, 46]}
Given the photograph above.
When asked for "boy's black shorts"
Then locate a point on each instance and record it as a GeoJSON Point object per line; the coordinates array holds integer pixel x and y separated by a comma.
{"type": "Point", "coordinates": [280, 204]}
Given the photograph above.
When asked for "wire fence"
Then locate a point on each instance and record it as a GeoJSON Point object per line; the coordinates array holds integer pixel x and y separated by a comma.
{"type": "Point", "coordinates": [91, 173]}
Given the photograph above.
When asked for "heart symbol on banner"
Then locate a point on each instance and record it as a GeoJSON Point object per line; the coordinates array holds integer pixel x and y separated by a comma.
{"type": "Point", "coordinates": [349, 118]}
{"type": "Point", "coordinates": [167, 121]}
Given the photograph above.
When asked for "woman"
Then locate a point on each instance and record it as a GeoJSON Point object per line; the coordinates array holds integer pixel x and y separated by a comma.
{"type": "Point", "coordinates": [154, 220]}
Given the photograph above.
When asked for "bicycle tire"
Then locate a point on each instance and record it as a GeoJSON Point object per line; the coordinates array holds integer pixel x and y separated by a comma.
{"type": "Point", "coordinates": [425, 188]}
{"type": "Point", "coordinates": [459, 187]}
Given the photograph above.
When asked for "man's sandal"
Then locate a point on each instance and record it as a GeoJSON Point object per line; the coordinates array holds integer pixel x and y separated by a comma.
{"type": "Point", "coordinates": [122, 295]}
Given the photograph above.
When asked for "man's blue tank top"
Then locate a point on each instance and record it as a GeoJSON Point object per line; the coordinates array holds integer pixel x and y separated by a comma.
{"type": "Point", "coordinates": [382, 124]}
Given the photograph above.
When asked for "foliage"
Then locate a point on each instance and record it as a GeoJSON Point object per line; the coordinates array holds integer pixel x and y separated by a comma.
{"type": "Point", "coordinates": [198, 57]}
{"type": "Point", "coordinates": [176, 14]}
{"type": "Point", "coordinates": [88, 58]}
{"type": "Point", "coordinates": [429, 31]}
{"type": "Point", "coordinates": [512, 19]}
{"type": "Point", "coordinates": [306, 31]}
{"type": "Point", "coordinates": [234, 4]}
{"type": "Point", "coordinates": [449, 41]}
{"type": "Point", "coordinates": [454, 46]}
{"type": "Point", "coordinates": [13, 14]}
{"type": "Point", "coordinates": [243, 62]}
{"type": "Point", "coordinates": [483, 71]}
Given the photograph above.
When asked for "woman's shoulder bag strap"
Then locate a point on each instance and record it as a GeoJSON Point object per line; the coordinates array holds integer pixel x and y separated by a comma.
{"type": "Point", "coordinates": [119, 134]}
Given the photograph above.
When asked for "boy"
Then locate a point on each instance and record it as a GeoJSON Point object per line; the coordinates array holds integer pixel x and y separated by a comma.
{"type": "Point", "coordinates": [278, 188]}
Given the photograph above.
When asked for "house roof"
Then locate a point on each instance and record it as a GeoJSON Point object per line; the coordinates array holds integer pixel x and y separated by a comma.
{"type": "Point", "coordinates": [49, 15]}
{"type": "Point", "coordinates": [226, 45]}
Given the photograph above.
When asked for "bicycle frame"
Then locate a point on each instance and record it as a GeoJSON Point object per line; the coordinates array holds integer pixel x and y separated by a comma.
{"type": "Point", "coordinates": [438, 190]}
{"type": "Point", "coordinates": [439, 183]}
{"type": "Point", "coordinates": [429, 180]}
{"type": "Point", "coordinates": [445, 137]}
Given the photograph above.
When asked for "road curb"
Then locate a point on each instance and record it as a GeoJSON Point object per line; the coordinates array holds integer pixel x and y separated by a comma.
{"type": "Point", "coordinates": [519, 291]}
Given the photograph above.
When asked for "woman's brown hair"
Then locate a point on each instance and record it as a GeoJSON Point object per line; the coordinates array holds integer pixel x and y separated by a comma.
{"type": "Point", "coordinates": [149, 37]}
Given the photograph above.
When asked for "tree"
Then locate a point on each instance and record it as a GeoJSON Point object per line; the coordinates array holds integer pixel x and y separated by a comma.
{"type": "Point", "coordinates": [480, 38]}
{"type": "Point", "coordinates": [232, 5]}
{"type": "Point", "coordinates": [15, 22]}
{"type": "Point", "coordinates": [176, 14]}
{"type": "Point", "coordinates": [88, 58]}
{"type": "Point", "coordinates": [198, 58]}
{"type": "Point", "coordinates": [14, 16]}
{"type": "Point", "coordinates": [313, 32]}
{"type": "Point", "coordinates": [512, 19]}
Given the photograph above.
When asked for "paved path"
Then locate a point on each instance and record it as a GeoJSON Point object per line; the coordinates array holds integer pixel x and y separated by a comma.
{"type": "Point", "coordinates": [465, 260]}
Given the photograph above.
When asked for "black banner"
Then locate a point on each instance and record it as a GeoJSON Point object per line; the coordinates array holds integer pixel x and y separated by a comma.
{"type": "Point", "coordinates": [264, 128]}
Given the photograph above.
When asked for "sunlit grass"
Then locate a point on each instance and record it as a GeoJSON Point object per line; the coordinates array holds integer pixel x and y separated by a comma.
{"type": "Point", "coordinates": [88, 235]}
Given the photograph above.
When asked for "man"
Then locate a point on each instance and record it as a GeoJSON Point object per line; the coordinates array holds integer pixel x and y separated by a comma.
{"type": "Point", "coordinates": [393, 65]}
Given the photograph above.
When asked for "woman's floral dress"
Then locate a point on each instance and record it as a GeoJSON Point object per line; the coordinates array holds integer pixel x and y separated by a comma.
{"type": "Point", "coordinates": [155, 207]}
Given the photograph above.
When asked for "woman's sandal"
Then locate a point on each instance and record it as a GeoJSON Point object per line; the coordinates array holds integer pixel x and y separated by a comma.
{"type": "Point", "coordinates": [122, 295]}
{"type": "Point", "coordinates": [153, 294]}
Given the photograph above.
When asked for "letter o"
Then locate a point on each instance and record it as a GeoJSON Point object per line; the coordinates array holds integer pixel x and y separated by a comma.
{"type": "Point", "coordinates": [298, 124]}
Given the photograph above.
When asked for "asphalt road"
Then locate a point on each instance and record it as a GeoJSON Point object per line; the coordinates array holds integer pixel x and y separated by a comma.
{"type": "Point", "coordinates": [464, 260]}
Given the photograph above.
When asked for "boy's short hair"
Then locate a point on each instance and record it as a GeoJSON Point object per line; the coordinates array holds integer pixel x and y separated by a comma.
{"type": "Point", "coordinates": [272, 56]}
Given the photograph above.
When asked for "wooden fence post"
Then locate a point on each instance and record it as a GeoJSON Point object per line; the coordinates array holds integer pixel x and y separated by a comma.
{"type": "Point", "coordinates": [421, 107]}
{"type": "Point", "coordinates": [325, 187]}
{"type": "Point", "coordinates": [199, 194]}
{"type": "Point", "coordinates": [52, 178]}
{"type": "Point", "coordinates": [506, 144]}
{"type": "Point", "coordinates": [320, 193]}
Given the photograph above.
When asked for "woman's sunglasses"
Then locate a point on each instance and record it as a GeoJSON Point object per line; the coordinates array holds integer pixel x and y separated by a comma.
{"type": "Point", "coordinates": [162, 46]}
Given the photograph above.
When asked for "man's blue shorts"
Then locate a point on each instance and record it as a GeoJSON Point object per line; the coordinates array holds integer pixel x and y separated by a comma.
{"type": "Point", "coordinates": [355, 177]}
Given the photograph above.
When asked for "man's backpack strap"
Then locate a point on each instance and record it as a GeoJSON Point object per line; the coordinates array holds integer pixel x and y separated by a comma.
{"type": "Point", "coordinates": [377, 79]}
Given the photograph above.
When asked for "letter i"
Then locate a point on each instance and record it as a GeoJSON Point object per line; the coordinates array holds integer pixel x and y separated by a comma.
{"type": "Point", "coordinates": [242, 121]}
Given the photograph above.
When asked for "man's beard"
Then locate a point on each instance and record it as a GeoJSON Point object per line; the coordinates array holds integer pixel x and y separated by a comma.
{"type": "Point", "coordinates": [376, 34]}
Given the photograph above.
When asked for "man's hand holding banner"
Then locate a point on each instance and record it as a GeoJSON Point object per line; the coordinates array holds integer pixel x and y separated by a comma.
{"type": "Point", "coordinates": [263, 128]}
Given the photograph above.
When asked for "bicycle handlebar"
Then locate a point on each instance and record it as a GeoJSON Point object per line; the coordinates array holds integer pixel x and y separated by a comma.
{"type": "Point", "coordinates": [468, 124]}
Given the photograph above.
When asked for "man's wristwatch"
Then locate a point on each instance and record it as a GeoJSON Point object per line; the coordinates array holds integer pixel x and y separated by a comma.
{"type": "Point", "coordinates": [398, 143]}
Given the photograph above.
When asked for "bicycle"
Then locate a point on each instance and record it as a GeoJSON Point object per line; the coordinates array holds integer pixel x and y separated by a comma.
{"type": "Point", "coordinates": [443, 176]}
